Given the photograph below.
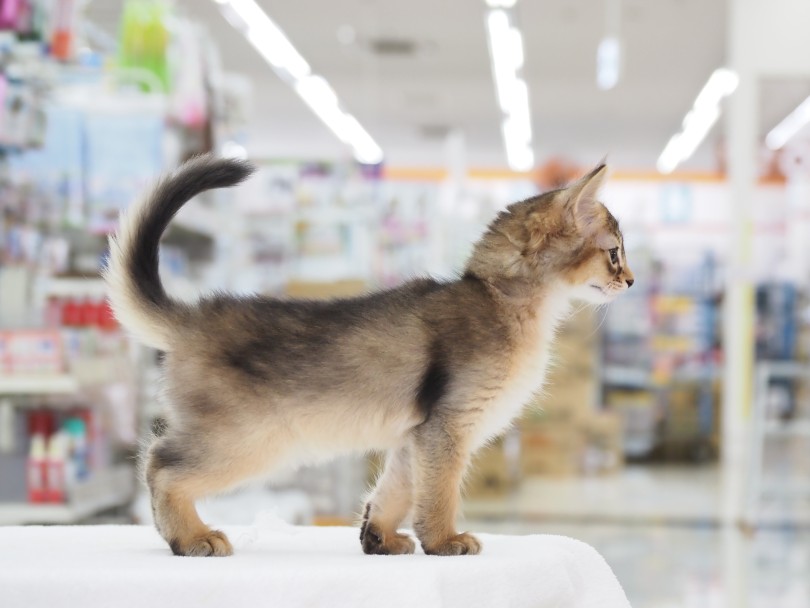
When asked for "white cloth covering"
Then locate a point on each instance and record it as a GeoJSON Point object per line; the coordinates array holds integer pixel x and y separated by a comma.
{"type": "Point", "coordinates": [286, 566]}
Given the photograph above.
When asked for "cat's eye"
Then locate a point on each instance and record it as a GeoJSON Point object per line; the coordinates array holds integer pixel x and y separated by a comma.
{"type": "Point", "coordinates": [614, 255]}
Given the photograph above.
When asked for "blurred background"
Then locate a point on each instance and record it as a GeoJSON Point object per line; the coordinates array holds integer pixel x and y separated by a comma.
{"type": "Point", "coordinates": [675, 429]}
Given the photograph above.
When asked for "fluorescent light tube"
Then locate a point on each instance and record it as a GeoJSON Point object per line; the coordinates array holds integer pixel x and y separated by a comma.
{"type": "Point", "coordinates": [506, 53]}
{"type": "Point", "coordinates": [271, 43]}
{"type": "Point", "coordinates": [722, 83]}
{"type": "Point", "coordinates": [365, 148]}
{"type": "Point", "coordinates": [316, 92]}
{"type": "Point", "coordinates": [671, 156]}
{"type": "Point", "coordinates": [503, 65]}
{"type": "Point", "coordinates": [266, 36]}
{"type": "Point", "coordinates": [519, 111]}
{"type": "Point", "coordinates": [608, 63]}
{"type": "Point", "coordinates": [698, 122]}
{"type": "Point", "coordinates": [519, 153]}
{"type": "Point", "coordinates": [322, 100]}
{"type": "Point", "coordinates": [790, 125]}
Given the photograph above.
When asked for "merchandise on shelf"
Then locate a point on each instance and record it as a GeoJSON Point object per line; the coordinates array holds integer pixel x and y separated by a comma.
{"type": "Point", "coordinates": [776, 321]}
{"type": "Point", "coordinates": [660, 338]}
{"type": "Point", "coordinates": [65, 449]}
{"type": "Point", "coordinates": [145, 39]}
{"type": "Point", "coordinates": [78, 142]}
{"type": "Point", "coordinates": [33, 351]}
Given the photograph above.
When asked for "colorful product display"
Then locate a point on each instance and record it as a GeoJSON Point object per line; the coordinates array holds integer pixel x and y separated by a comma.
{"type": "Point", "coordinates": [36, 351]}
{"type": "Point", "coordinates": [59, 455]}
{"type": "Point", "coordinates": [145, 39]}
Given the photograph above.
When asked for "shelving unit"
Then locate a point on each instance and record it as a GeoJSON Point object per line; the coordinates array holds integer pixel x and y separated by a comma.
{"type": "Point", "coordinates": [74, 287]}
{"type": "Point", "coordinates": [108, 132]}
{"type": "Point", "coordinates": [105, 490]}
{"type": "Point", "coordinates": [659, 344]}
{"type": "Point", "coordinates": [764, 429]}
{"type": "Point", "coordinates": [31, 384]}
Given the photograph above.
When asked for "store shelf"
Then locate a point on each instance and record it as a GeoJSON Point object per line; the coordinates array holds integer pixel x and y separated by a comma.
{"type": "Point", "coordinates": [784, 369]}
{"type": "Point", "coordinates": [777, 428]}
{"type": "Point", "coordinates": [76, 287]}
{"type": "Point", "coordinates": [39, 384]}
{"type": "Point", "coordinates": [786, 490]}
{"type": "Point", "coordinates": [200, 219]}
{"type": "Point", "coordinates": [639, 377]}
{"type": "Point", "coordinates": [85, 372]}
{"type": "Point", "coordinates": [627, 376]}
{"type": "Point", "coordinates": [335, 215]}
{"type": "Point", "coordinates": [766, 484]}
{"type": "Point", "coordinates": [105, 490]}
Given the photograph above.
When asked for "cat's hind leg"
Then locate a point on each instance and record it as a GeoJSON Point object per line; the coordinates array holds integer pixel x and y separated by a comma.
{"type": "Point", "coordinates": [180, 469]}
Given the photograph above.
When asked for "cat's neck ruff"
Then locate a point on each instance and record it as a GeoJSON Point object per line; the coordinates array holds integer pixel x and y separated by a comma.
{"type": "Point", "coordinates": [528, 362]}
{"type": "Point", "coordinates": [547, 310]}
{"type": "Point", "coordinates": [555, 306]}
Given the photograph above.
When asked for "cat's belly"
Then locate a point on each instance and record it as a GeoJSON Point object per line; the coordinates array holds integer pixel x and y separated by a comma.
{"type": "Point", "coordinates": [324, 430]}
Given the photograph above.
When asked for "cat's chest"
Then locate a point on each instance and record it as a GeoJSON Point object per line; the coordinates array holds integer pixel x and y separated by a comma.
{"type": "Point", "coordinates": [526, 376]}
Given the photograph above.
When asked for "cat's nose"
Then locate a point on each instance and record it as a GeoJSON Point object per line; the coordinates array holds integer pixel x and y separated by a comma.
{"type": "Point", "coordinates": [630, 282]}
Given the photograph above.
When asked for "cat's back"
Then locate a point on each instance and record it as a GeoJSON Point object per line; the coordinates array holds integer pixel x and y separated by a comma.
{"type": "Point", "coordinates": [296, 315]}
{"type": "Point", "coordinates": [273, 340]}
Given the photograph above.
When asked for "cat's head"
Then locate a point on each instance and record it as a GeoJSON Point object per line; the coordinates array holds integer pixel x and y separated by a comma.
{"type": "Point", "coordinates": [564, 238]}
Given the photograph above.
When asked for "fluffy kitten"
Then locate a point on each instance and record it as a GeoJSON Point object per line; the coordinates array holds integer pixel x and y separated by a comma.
{"type": "Point", "coordinates": [428, 371]}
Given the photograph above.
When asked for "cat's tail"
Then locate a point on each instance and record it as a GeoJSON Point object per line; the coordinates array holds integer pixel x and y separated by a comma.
{"type": "Point", "coordinates": [137, 296]}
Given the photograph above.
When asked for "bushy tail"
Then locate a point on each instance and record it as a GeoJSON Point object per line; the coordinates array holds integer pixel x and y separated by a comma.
{"type": "Point", "coordinates": [136, 293]}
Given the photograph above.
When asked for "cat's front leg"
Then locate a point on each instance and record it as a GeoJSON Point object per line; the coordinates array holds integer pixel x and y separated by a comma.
{"type": "Point", "coordinates": [387, 506]}
{"type": "Point", "coordinates": [441, 456]}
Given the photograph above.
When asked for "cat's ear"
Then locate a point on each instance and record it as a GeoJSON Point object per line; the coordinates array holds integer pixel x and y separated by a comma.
{"type": "Point", "coordinates": [582, 202]}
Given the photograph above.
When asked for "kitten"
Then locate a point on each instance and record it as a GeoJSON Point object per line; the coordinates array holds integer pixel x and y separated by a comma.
{"type": "Point", "coordinates": [429, 371]}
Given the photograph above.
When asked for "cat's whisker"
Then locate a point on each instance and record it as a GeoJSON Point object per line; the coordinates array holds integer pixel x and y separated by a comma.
{"type": "Point", "coordinates": [602, 322]}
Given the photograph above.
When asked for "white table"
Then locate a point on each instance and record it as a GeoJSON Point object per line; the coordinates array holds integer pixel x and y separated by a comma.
{"type": "Point", "coordinates": [277, 565]}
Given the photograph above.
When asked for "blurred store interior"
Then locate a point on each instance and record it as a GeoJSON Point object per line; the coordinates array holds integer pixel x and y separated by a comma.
{"type": "Point", "coordinates": [674, 432]}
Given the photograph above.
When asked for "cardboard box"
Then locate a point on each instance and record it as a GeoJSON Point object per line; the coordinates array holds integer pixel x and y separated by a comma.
{"type": "Point", "coordinates": [590, 444]}
{"type": "Point", "coordinates": [553, 449]}
{"type": "Point", "coordinates": [321, 291]}
{"type": "Point", "coordinates": [580, 326]}
{"type": "Point", "coordinates": [603, 439]}
{"type": "Point", "coordinates": [493, 473]}
{"type": "Point", "coordinates": [563, 397]}
{"type": "Point", "coordinates": [571, 384]}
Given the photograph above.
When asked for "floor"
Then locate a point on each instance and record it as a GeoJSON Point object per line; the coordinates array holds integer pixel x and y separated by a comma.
{"type": "Point", "coordinates": [663, 566]}
{"type": "Point", "coordinates": [681, 494]}
{"type": "Point", "coordinates": [659, 531]}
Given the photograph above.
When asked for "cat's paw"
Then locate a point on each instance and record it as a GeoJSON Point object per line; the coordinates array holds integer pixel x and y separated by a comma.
{"type": "Point", "coordinates": [460, 544]}
{"type": "Point", "coordinates": [212, 544]}
{"type": "Point", "coordinates": [375, 542]}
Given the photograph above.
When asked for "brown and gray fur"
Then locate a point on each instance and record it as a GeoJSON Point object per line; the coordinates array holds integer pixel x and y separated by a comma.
{"type": "Point", "coordinates": [428, 372]}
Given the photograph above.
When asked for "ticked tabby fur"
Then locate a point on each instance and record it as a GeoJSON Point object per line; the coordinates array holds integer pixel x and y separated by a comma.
{"type": "Point", "coordinates": [428, 371]}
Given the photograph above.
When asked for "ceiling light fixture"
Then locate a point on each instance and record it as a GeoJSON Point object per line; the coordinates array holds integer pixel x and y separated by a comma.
{"type": "Point", "coordinates": [700, 119]}
{"type": "Point", "coordinates": [609, 51]}
{"type": "Point", "coordinates": [274, 46]}
{"type": "Point", "coordinates": [790, 126]}
{"type": "Point", "coordinates": [506, 54]}
{"type": "Point", "coordinates": [608, 61]}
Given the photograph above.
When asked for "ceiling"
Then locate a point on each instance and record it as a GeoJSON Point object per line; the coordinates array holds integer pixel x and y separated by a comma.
{"type": "Point", "coordinates": [408, 101]}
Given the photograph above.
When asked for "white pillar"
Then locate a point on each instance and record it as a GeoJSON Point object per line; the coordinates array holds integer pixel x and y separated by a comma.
{"type": "Point", "coordinates": [765, 39]}
{"type": "Point", "coordinates": [738, 320]}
